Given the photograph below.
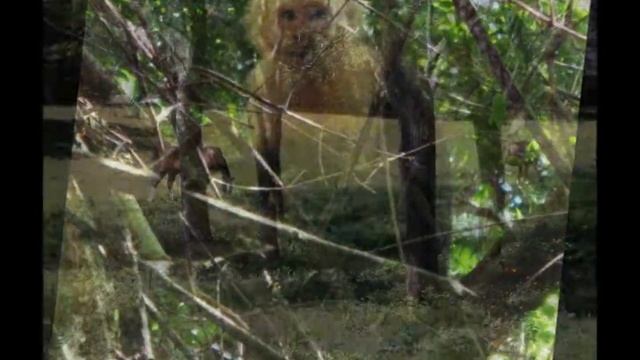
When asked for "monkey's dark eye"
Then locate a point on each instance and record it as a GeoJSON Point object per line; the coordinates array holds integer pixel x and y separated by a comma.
{"type": "Point", "coordinates": [318, 13]}
{"type": "Point", "coordinates": [288, 15]}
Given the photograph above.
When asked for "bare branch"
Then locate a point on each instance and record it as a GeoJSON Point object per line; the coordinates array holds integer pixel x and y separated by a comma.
{"type": "Point", "coordinates": [546, 19]}
{"type": "Point", "coordinates": [392, 202]}
{"type": "Point", "coordinates": [544, 268]}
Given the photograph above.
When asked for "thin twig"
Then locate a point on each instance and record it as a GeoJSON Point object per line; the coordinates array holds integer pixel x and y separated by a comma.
{"type": "Point", "coordinates": [543, 269]}
{"type": "Point", "coordinates": [392, 202]}
{"type": "Point", "coordinates": [528, 282]}
{"type": "Point", "coordinates": [320, 162]}
{"type": "Point", "coordinates": [363, 184]}
{"type": "Point", "coordinates": [206, 169]}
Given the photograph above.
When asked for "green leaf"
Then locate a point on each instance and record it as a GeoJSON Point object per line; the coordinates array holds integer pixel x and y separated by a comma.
{"type": "Point", "coordinates": [463, 260]}
{"type": "Point", "coordinates": [423, 62]}
{"type": "Point", "coordinates": [483, 195]}
{"type": "Point", "coordinates": [518, 214]}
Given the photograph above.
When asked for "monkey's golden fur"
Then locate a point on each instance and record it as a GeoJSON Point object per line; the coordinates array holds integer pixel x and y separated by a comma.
{"type": "Point", "coordinates": [337, 74]}
{"type": "Point", "coordinates": [312, 61]}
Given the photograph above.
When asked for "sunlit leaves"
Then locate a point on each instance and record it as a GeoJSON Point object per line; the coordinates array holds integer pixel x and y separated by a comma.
{"type": "Point", "coordinates": [462, 260]}
{"type": "Point", "coordinates": [483, 196]}
{"type": "Point", "coordinates": [540, 328]}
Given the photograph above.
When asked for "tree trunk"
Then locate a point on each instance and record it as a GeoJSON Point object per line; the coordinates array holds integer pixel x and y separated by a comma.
{"type": "Point", "coordinates": [489, 150]}
{"type": "Point", "coordinates": [413, 107]}
{"type": "Point", "coordinates": [194, 177]}
{"type": "Point", "coordinates": [579, 270]}
{"type": "Point", "coordinates": [189, 134]}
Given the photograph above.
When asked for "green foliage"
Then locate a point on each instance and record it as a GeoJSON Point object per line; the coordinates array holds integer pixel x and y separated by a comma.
{"type": "Point", "coordinates": [462, 259]}
{"type": "Point", "coordinates": [521, 41]}
{"type": "Point", "coordinates": [484, 195]}
{"type": "Point", "coordinates": [186, 319]}
{"type": "Point", "coordinates": [540, 329]}
{"type": "Point", "coordinates": [498, 111]}
{"type": "Point", "coordinates": [466, 90]}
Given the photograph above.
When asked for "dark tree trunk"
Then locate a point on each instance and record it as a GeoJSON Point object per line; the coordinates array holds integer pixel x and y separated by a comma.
{"type": "Point", "coordinates": [189, 135]}
{"type": "Point", "coordinates": [413, 107]}
{"type": "Point", "coordinates": [194, 179]}
{"type": "Point", "coordinates": [417, 122]}
{"type": "Point", "coordinates": [579, 289]}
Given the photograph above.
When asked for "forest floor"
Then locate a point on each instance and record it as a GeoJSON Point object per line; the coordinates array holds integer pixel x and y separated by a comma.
{"type": "Point", "coordinates": [338, 304]}
{"type": "Point", "coordinates": [327, 301]}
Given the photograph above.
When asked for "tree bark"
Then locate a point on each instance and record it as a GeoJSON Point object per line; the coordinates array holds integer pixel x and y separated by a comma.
{"type": "Point", "coordinates": [413, 107]}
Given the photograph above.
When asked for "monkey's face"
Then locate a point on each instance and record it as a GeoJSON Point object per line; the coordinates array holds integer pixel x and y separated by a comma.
{"type": "Point", "coordinates": [304, 30]}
